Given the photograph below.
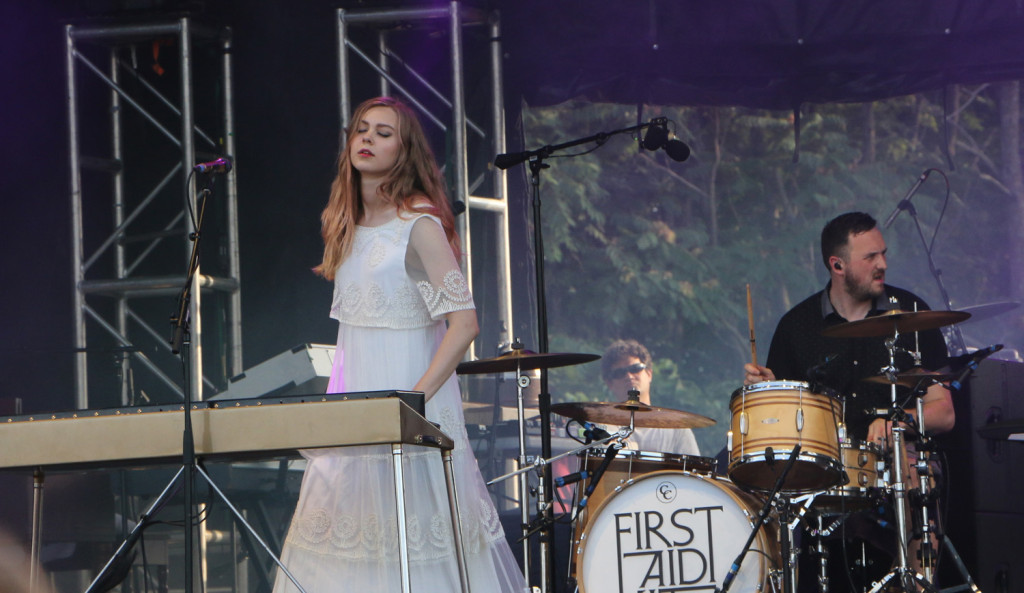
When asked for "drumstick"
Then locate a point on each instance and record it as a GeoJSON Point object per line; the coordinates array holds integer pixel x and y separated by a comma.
{"type": "Point", "coordinates": [750, 318]}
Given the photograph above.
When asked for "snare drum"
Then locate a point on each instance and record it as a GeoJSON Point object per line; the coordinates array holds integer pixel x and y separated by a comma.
{"type": "Point", "coordinates": [675, 531]}
{"type": "Point", "coordinates": [777, 416]}
{"type": "Point", "coordinates": [863, 466]}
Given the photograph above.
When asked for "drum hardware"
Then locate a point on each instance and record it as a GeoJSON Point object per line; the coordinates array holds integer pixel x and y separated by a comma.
{"type": "Point", "coordinates": [902, 571]}
{"type": "Point", "coordinates": [518, 360]}
{"type": "Point", "coordinates": [781, 502]}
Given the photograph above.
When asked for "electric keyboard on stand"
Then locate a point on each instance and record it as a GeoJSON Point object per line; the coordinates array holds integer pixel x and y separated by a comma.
{"type": "Point", "coordinates": [227, 430]}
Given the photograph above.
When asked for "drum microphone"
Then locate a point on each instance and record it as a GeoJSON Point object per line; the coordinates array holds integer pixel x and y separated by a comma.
{"type": "Point", "coordinates": [592, 432]}
{"type": "Point", "coordinates": [571, 478]}
{"type": "Point", "coordinates": [769, 456]}
{"type": "Point", "coordinates": [610, 454]}
{"type": "Point", "coordinates": [972, 364]}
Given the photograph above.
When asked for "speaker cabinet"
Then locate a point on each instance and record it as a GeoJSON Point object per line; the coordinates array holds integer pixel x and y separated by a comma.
{"type": "Point", "coordinates": [985, 505]}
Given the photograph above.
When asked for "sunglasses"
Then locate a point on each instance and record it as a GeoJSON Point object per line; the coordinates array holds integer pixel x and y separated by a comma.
{"type": "Point", "coordinates": [622, 372]}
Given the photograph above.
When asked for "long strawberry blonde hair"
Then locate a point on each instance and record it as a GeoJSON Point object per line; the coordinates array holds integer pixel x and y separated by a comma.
{"type": "Point", "coordinates": [413, 180]}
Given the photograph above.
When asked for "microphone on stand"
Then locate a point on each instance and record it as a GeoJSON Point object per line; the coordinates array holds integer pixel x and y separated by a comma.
{"type": "Point", "coordinates": [610, 454]}
{"type": "Point", "coordinates": [971, 364]}
{"type": "Point", "coordinates": [592, 432]}
{"type": "Point", "coordinates": [904, 204]}
{"type": "Point", "coordinates": [221, 165]}
{"type": "Point", "coordinates": [658, 137]}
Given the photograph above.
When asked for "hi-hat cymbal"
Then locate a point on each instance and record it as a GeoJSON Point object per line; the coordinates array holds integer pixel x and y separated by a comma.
{"type": "Point", "coordinates": [523, 360]}
{"type": "Point", "coordinates": [617, 414]}
{"type": "Point", "coordinates": [894, 321]}
{"type": "Point", "coordinates": [989, 310]}
{"type": "Point", "coordinates": [912, 377]}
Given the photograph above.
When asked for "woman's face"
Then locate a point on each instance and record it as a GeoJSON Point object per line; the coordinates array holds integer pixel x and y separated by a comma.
{"type": "Point", "coordinates": [375, 146]}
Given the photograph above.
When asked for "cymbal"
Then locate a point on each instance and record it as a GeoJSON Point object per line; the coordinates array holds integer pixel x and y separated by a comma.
{"type": "Point", "coordinates": [892, 321]}
{"type": "Point", "coordinates": [617, 414]}
{"type": "Point", "coordinates": [989, 310]}
{"type": "Point", "coordinates": [912, 377]}
{"type": "Point", "coordinates": [523, 360]}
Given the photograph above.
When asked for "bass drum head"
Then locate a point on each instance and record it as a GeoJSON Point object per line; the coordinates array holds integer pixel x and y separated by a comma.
{"type": "Point", "coordinates": [675, 532]}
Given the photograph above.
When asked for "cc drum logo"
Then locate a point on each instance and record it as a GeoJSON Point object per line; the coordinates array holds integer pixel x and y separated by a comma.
{"type": "Point", "coordinates": [666, 491]}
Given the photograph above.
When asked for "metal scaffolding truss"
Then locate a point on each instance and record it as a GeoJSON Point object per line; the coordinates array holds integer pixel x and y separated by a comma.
{"type": "Point", "coordinates": [371, 45]}
{"type": "Point", "coordinates": [154, 140]}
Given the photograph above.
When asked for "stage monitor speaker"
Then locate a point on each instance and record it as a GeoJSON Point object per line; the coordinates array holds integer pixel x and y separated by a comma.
{"type": "Point", "coordinates": [984, 513]}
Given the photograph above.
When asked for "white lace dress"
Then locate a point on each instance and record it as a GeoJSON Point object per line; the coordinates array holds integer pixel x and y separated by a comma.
{"type": "Point", "coordinates": [344, 535]}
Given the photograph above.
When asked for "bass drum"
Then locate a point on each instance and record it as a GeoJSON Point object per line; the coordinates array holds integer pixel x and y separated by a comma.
{"type": "Point", "coordinates": [675, 531]}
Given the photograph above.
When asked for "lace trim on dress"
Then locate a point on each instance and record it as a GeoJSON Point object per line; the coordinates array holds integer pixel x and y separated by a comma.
{"type": "Point", "coordinates": [452, 295]}
{"type": "Point", "coordinates": [369, 306]}
{"type": "Point", "coordinates": [372, 537]}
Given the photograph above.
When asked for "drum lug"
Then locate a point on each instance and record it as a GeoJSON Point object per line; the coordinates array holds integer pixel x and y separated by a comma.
{"type": "Point", "coordinates": [800, 420]}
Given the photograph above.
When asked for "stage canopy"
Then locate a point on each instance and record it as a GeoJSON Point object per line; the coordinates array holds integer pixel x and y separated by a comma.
{"type": "Point", "coordinates": [774, 54]}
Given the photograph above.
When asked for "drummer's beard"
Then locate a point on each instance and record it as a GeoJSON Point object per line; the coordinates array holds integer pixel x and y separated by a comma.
{"type": "Point", "coordinates": [865, 290]}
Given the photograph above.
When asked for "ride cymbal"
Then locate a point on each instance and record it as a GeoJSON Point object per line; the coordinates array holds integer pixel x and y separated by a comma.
{"type": "Point", "coordinates": [617, 414]}
{"type": "Point", "coordinates": [894, 321]}
{"type": "Point", "coordinates": [523, 360]}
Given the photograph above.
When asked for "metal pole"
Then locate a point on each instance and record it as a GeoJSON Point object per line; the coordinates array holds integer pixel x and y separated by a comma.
{"type": "Point", "coordinates": [234, 260]}
{"type": "Point", "coordinates": [344, 96]}
{"type": "Point", "coordinates": [77, 272]}
{"type": "Point", "coordinates": [195, 351]}
{"type": "Point", "coordinates": [117, 153]}
{"type": "Point", "coordinates": [501, 182]}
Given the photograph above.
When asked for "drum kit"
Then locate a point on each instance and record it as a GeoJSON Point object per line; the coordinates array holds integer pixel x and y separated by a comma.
{"type": "Point", "coordinates": [658, 521]}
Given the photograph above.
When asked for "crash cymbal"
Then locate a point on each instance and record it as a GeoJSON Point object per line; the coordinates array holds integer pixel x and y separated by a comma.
{"type": "Point", "coordinates": [895, 320]}
{"type": "Point", "coordinates": [912, 377]}
{"type": "Point", "coordinates": [522, 360]}
{"type": "Point", "coordinates": [989, 310]}
{"type": "Point", "coordinates": [617, 414]}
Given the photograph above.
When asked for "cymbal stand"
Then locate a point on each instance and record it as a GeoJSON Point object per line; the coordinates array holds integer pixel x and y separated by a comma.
{"type": "Point", "coordinates": [522, 382]}
{"type": "Point", "coordinates": [902, 571]}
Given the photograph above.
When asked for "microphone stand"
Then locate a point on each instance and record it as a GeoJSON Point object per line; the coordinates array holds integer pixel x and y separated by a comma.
{"type": "Point", "coordinates": [787, 581]}
{"type": "Point", "coordinates": [119, 564]}
{"type": "Point", "coordinates": [546, 484]}
{"type": "Point", "coordinates": [957, 340]}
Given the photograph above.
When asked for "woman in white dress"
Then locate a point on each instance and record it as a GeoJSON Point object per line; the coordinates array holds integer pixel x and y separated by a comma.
{"type": "Point", "coordinates": [406, 318]}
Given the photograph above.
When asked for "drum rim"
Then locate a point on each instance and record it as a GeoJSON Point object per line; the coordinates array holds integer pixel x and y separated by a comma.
{"type": "Point", "coordinates": [785, 385]}
{"type": "Point", "coordinates": [832, 465]}
{"type": "Point", "coordinates": [763, 559]}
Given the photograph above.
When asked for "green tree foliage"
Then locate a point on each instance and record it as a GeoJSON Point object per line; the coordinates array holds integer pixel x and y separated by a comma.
{"type": "Point", "coordinates": [639, 246]}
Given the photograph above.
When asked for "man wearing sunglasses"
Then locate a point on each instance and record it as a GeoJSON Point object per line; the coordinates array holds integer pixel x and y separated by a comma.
{"type": "Point", "coordinates": [626, 365]}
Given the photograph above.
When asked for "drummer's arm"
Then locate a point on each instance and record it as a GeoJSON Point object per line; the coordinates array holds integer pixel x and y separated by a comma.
{"type": "Point", "coordinates": [939, 415]}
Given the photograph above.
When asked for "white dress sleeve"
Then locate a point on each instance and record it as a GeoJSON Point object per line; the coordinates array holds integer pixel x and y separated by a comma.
{"type": "Point", "coordinates": [432, 265]}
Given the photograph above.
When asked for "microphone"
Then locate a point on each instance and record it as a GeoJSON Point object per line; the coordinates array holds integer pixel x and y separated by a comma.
{"type": "Point", "coordinates": [221, 165]}
{"type": "Point", "coordinates": [972, 363]}
{"type": "Point", "coordinates": [905, 202]}
{"type": "Point", "coordinates": [571, 478]}
{"type": "Point", "coordinates": [610, 454]}
{"type": "Point", "coordinates": [658, 137]}
{"type": "Point", "coordinates": [592, 432]}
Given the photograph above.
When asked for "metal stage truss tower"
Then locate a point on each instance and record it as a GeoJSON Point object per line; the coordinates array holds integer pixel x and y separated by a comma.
{"type": "Point", "coordinates": [370, 47]}
{"type": "Point", "coordinates": [116, 71]}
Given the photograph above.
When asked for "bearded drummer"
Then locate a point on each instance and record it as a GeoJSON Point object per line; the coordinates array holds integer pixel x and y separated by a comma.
{"type": "Point", "coordinates": [854, 253]}
{"type": "Point", "coordinates": [625, 366]}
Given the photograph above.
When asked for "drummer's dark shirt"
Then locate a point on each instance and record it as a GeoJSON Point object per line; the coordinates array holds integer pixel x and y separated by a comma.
{"type": "Point", "coordinates": [798, 347]}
